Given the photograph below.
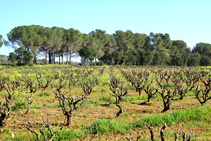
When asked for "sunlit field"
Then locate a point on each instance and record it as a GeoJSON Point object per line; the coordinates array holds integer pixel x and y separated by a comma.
{"type": "Point", "coordinates": [82, 103]}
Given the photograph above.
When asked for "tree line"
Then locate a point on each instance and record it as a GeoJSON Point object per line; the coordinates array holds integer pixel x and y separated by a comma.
{"type": "Point", "coordinates": [119, 48]}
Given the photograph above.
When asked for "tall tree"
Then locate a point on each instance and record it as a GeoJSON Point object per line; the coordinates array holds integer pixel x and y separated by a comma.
{"type": "Point", "coordinates": [161, 58]}
{"type": "Point", "coordinates": [25, 36]}
{"type": "Point", "coordinates": [149, 58]}
{"type": "Point", "coordinates": [37, 42]}
{"type": "Point", "coordinates": [72, 42]}
{"type": "Point", "coordinates": [19, 52]}
{"type": "Point", "coordinates": [180, 45]}
{"type": "Point", "coordinates": [45, 34]}
{"type": "Point", "coordinates": [139, 41]}
{"type": "Point", "coordinates": [179, 53]}
{"type": "Point", "coordinates": [27, 57]}
{"type": "Point", "coordinates": [99, 41]}
{"type": "Point", "coordinates": [108, 49]}
{"type": "Point", "coordinates": [86, 52]}
{"type": "Point", "coordinates": [133, 57]}
{"type": "Point", "coordinates": [203, 48]}
{"type": "Point", "coordinates": [194, 59]}
{"type": "Point", "coordinates": [166, 41]}
{"type": "Point", "coordinates": [156, 43]}
{"type": "Point", "coordinates": [101, 35]}
{"type": "Point", "coordinates": [205, 61]}
{"type": "Point", "coordinates": [12, 58]}
{"type": "Point", "coordinates": [55, 41]}
{"type": "Point", "coordinates": [147, 45]}
{"type": "Point", "coordinates": [97, 46]}
{"type": "Point", "coordinates": [116, 57]}
{"type": "Point", "coordinates": [124, 40]}
{"type": "Point", "coordinates": [21, 36]}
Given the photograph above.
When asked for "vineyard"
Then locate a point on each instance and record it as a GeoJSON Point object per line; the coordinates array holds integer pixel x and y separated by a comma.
{"type": "Point", "coordinates": [54, 102]}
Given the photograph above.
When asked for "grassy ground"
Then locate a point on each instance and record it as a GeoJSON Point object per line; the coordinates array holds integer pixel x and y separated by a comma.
{"type": "Point", "coordinates": [96, 120]}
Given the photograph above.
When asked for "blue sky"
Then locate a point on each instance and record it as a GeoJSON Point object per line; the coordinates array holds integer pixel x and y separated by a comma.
{"type": "Point", "coordinates": [187, 20]}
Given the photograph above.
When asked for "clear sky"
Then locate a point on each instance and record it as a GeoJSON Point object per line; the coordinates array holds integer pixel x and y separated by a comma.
{"type": "Point", "coordinates": [188, 20]}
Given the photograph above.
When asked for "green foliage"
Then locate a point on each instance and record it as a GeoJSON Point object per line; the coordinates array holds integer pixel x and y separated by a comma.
{"type": "Point", "coordinates": [44, 94]}
{"type": "Point", "coordinates": [180, 45]}
{"type": "Point", "coordinates": [27, 57]}
{"type": "Point", "coordinates": [116, 56]}
{"type": "Point", "coordinates": [86, 52]}
{"type": "Point", "coordinates": [130, 87]}
{"type": "Point", "coordinates": [118, 48]}
{"type": "Point", "coordinates": [195, 114]}
{"type": "Point", "coordinates": [171, 85]}
{"type": "Point", "coordinates": [12, 58]}
{"type": "Point", "coordinates": [128, 64]}
{"type": "Point", "coordinates": [149, 58]}
{"type": "Point", "coordinates": [177, 60]}
{"type": "Point", "coordinates": [132, 57]}
{"type": "Point", "coordinates": [205, 61]}
{"type": "Point", "coordinates": [105, 99]}
{"type": "Point", "coordinates": [100, 63]}
{"type": "Point", "coordinates": [138, 98]}
{"type": "Point", "coordinates": [105, 126]}
{"type": "Point", "coordinates": [93, 64]}
{"type": "Point", "coordinates": [194, 59]}
{"type": "Point", "coordinates": [18, 105]}
{"type": "Point", "coordinates": [160, 59]}
{"type": "Point", "coordinates": [19, 52]}
{"type": "Point", "coordinates": [21, 55]}
{"type": "Point", "coordinates": [203, 48]}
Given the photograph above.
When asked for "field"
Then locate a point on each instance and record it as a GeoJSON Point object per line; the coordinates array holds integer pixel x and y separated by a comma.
{"type": "Point", "coordinates": [104, 102]}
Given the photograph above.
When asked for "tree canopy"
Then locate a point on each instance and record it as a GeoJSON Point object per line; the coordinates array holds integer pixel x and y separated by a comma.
{"type": "Point", "coordinates": [118, 48]}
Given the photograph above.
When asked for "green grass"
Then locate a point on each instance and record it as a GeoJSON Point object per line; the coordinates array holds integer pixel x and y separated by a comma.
{"type": "Point", "coordinates": [129, 87]}
{"type": "Point", "coordinates": [44, 94]}
{"type": "Point", "coordinates": [105, 126]}
{"type": "Point", "coordinates": [129, 98]}
{"type": "Point", "coordinates": [110, 98]}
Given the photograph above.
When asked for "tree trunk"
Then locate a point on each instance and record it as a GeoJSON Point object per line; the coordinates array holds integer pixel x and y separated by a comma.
{"type": "Point", "coordinates": [35, 60]}
{"type": "Point", "coordinates": [166, 107]}
{"type": "Point", "coordinates": [69, 119]}
{"type": "Point", "coordinates": [149, 97]}
{"type": "Point", "coordinates": [139, 91]}
{"type": "Point", "coordinates": [62, 59]}
{"type": "Point", "coordinates": [59, 59]}
{"type": "Point", "coordinates": [53, 57]}
{"type": "Point", "coordinates": [70, 56]}
{"type": "Point", "coordinates": [120, 110]}
{"type": "Point", "coordinates": [46, 57]}
{"type": "Point", "coordinates": [162, 132]}
{"type": "Point", "coordinates": [67, 58]}
{"type": "Point", "coordinates": [181, 96]}
{"type": "Point", "coordinates": [84, 61]}
{"type": "Point", "coordinates": [49, 57]}
{"type": "Point", "coordinates": [90, 62]}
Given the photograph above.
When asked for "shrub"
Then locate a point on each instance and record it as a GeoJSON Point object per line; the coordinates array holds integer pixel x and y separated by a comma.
{"type": "Point", "coordinates": [128, 64]}
{"type": "Point", "coordinates": [100, 63]}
